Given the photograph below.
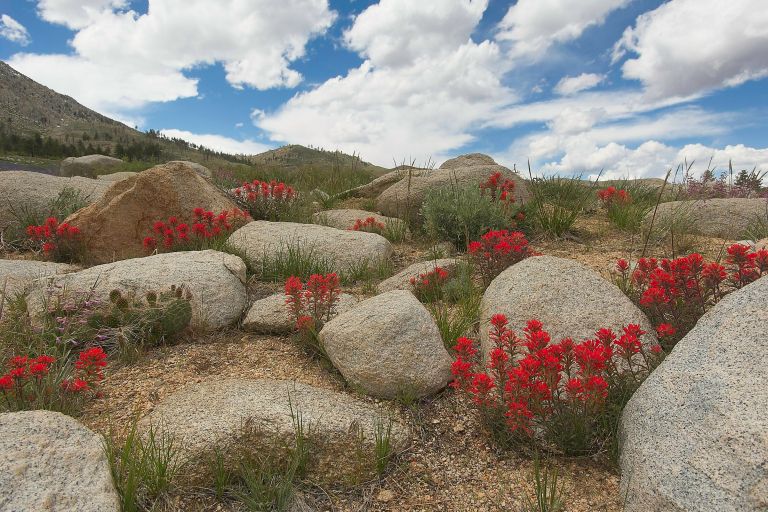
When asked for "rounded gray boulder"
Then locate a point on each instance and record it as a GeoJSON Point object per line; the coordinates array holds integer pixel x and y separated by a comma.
{"type": "Point", "coordinates": [387, 345]}
{"type": "Point", "coordinates": [694, 437]}
{"type": "Point", "coordinates": [50, 462]}
{"type": "Point", "coordinates": [571, 301]}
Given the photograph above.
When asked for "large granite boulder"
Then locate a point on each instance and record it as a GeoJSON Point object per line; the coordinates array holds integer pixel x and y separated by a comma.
{"type": "Point", "coordinates": [382, 183]}
{"type": "Point", "coordinates": [270, 315]}
{"type": "Point", "coordinates": [694, 437]}
{"type": "Point", "coordinates": [724, 218]}
{"type": "Point", "coordinates": [262, 413]}
{"type": "Point", "coordinates": [88, 166]}
{"type": "Point", "coordinates": [571, 301]}
{"type": "Point", "coordinates": [345, 219]}
{"type": "Point", "coordinates": [216, 280]}
{"type": "Point", "coordinates": [406, 198]}
{"type": "Point", "coordinates": [340, 249]}
{"type": "Point", "coordinates": [402, 280]}
{"type": "Point", "coordinates": [50, 462]}
{"type": "Point", "coordinates": [27, 195]}
{"type": "Point", "coordinates": [198, 168]}
{"type": "Point", "coordinates": [114, 227]}
{"type": "Point", "coordinates": [22, 273]}
{"type": "Point", "coordinates": [388, 345]}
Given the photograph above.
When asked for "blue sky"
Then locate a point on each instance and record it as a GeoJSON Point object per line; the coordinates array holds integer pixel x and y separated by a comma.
{"type": "Point", "coordinates": [575, 86]}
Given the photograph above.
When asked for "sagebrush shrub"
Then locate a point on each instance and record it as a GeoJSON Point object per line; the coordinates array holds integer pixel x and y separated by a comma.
{"type": "Point", "coordinates": [459, 215]}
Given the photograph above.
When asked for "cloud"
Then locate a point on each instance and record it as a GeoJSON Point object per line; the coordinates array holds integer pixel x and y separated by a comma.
{"type": "Point", "coordinates": [395, 33]}
{"type": "Point", "coordinates": [76, 14]}
{"type": "Point", "coordinates": [13, 31]}
{"type": "Point", "coordinates": [415, 95]}
{"type": "Point", "coordinates": [256, 41]}
{"type": "Point", "coordinates": [620, 143]}
{"type": "Point", "coordinates": [532, 26]}
{"type": "Point", "coordinates": [687, 47]}
{"type": "Point", "coordinates": [219, 142]}
{"type": "Point", "coordinates": [572, 84]}
{"type": "Point", "coordinates": [238, 125]}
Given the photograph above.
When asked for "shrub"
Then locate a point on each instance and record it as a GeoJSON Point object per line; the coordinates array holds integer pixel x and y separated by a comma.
{"type": "Point", "coordinates": [497, 251]}
{"type": "Point", "coordinates": [62, 243]}
{"type": "Point", "coordinates": [458, 215]}
{"type": "Point", "coordinates": [675, 294]}
{"type": "Point", "coordinates": [428, 287]}
{"type": "Point", "coordinates": [559, 391]}
{"type": "Point", "coordinates": [709, 187]}
{"type": "Point", "coordinates": [47, 382]}
{"type": "Point", "coordinates": [267, 200]}
{"type": "Point", "coordinates": [208, 231]}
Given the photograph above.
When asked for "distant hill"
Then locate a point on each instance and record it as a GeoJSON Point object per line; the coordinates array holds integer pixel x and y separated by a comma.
{"type": "Point", "coordinates": [299, 156]}
{"type": "Point", "coordinates": [28, 108]}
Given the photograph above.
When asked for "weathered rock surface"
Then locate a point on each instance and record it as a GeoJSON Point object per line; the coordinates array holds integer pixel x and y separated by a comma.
{"type": "Point", "coordinates": [216, 280]}
{"type": "Point", "coordinates": [340, 248]}
{"type": "Point", "coordinates": [114, 227]}
{"type": "Point", "coordinates": [198, 168]}
{"type": "Point", "coordinates": [762, 245]}
{"type": "Point", "coordinates": [725, 218]}
{"type": "Point", "coordinates": [345, 219]}
{"type": "Point", "coordinates": [387, 344]}
{"type": "Point", "coordinates": [116, 176]}
{"type": "Point", "coordinates": [382, 183]}
{"type": "Point", "coordinates": [270, 315]}
{"type": "Point", "coordinates": [213, 414]}
{"type": "Point", "coordinates": [88, 166]}
{"type": "Point", "coordinates": [694, 437]}
{"type": "Point", "coordinates": [402, 280]}
{"type": "Point", "coordinates": [21, 274]}
{"type": "Point", "coordinates": [24, 194]}
{"type": "Point", "coordinates": [571, 301]}
{"type": "Point", "coordinates": [464, 170]}
{"type": "Point", "coordinates": [50, 462]}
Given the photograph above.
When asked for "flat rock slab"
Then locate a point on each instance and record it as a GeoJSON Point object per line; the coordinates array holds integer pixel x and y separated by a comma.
{"type": "Point", "coordinates": [22, 273]}
{"type": "Point", "coordinates": [50, 462]}
{"type": "Point", "coordinates": [216, 280]}
{"type": "Point", "coordinates": [345, 219]}
{"type": "Point", "coordinates": [724, 218]}
{"type": "Point", "coordinates": [24, 194]}
{"type": "Point", "coordinates": [88, 165]}
{"type": "Point", "coordinates": [571, 301]}
{"type": "Point", "coordinates": [270, 315]}
{"type": "Point", "coordinates": [339, 248]}
{"type": "Point", "coordinates": [116, 176]}
{"type": "Point", "coordinates": [402, 280]}
{"type": "Point", "coordinates": [212, 414]}
{"type": "Point", "coordinates": [388, 345]}
{"type": "Point", "coordinates": [694, 437]}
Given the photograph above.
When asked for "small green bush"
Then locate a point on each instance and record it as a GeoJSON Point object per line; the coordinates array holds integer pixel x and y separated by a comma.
{"type": "Point", "coordinates": [459, 215]}
{"type": "Point", "coordinates": [558, 202]}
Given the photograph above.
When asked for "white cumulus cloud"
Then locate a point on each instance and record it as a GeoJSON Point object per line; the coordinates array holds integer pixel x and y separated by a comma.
{"type": "Point", "coordinates": [687, 47]}
{"type": "Point", "coordinates": [416, 95]}
{"type": "Point", "coordinates": [13, 31]}
{"type": "Point", "coordinates": [256, 41]}
{"type": "Point", "coordinates": [572, 84]}
{"type": "Point", "coordinates": [219, 142]}
{"type": "Point", "coordinates": [532, 26]}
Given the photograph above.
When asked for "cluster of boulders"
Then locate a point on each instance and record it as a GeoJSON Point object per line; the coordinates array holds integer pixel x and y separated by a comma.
{"type": "Point", "coordinates": [694, 437]}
